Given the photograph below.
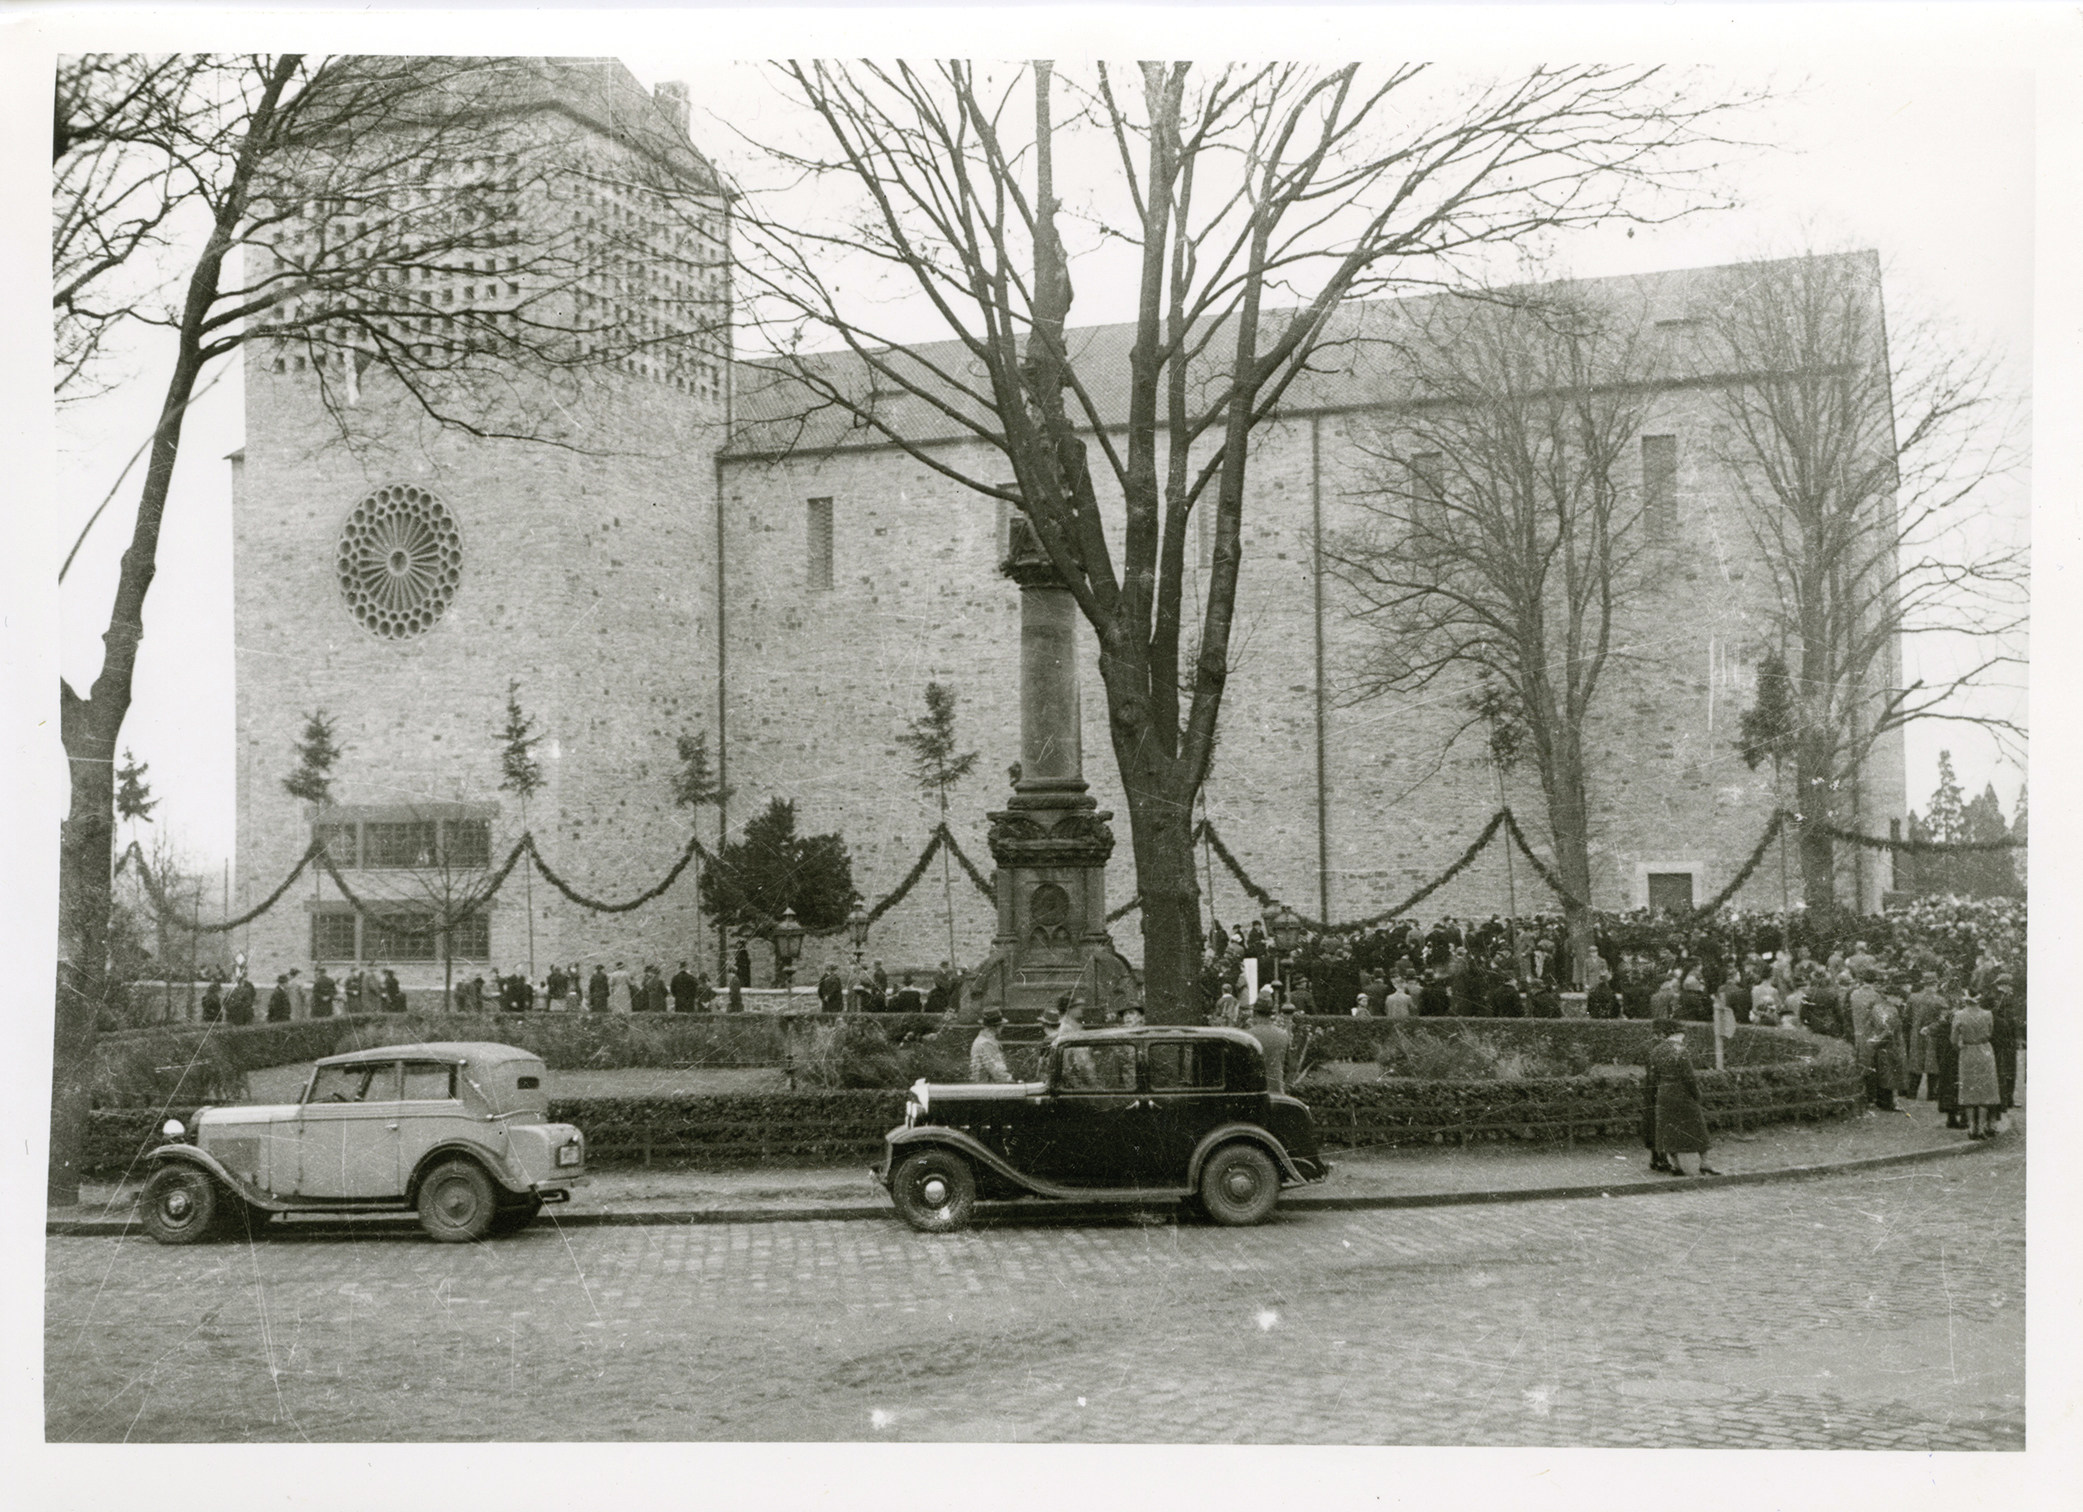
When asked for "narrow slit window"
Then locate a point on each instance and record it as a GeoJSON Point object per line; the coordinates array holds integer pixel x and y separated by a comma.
{"type": "Point", "coordinates": [820, 560]}
{"type": "Point", "coordinates": [1660, 485]}
{"type": "Point", "coordinates": [1428, 504]}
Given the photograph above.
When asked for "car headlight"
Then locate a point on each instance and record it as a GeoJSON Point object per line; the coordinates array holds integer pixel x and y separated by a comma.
{"type": "Point", "coordinates": [172, 1129]}
{"type": "Point", "coordinates": [920, 1094]}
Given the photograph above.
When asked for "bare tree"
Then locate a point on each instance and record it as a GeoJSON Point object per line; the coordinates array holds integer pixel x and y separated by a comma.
{"type": "Point", "coordinates": [450, 887]}
{"type": "Point", "coordinates": [1864, 458]}
{"type": "Point", "coordinates": [1251, 204]}
{"type": "Point", "coordinates": [411, 232]}
{"type": "Point", "coordinates": [1502, 537]}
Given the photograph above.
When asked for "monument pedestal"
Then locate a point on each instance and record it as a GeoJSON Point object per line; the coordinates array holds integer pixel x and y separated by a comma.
{"type": "Point", "coordinates": [1050, 841]}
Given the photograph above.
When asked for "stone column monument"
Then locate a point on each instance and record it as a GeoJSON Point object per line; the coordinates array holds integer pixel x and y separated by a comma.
{"type": "Point", "coordinates": [1050, 841]}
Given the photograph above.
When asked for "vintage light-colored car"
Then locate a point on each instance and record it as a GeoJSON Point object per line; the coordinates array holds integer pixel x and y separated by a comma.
{"type": "Point", "coordinates": [458, 1131]}
{"type": "Point", "coordinates": [1120, 1115]}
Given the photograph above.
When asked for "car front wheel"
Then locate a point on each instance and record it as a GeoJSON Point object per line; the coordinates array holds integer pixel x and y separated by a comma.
{"type": "Point", "coordinates": [456, 1203]}
{"type": "Point", "coordinates": [1239, 1185]}
{"type": "Point", "coordinates": [935, 1191]}
{"type": "Point", "coordinates": [180, 1205]}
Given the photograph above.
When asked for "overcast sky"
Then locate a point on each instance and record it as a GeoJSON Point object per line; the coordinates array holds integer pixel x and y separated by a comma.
{"type": "Point", "coordinates": [1922, 150]}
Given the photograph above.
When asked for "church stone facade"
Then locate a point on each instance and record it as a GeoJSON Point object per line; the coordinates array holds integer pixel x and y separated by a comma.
{"type": "Point", "coordinates": [683, 572]}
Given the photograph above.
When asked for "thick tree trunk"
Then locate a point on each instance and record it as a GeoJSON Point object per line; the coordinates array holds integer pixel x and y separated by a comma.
{"type": "Point", "coordinates": [1818, 870]}
{"type": "Point", "coordinates": [1161, 830]}
{"type": "Point", "coordinates": [86, 855]}
{"type": "Point", "coordinates": [1570, 825]}
{"type": "Point", "coordinates": [90, 727]}
{"type": "Point", "coordinates": [1818, 853]}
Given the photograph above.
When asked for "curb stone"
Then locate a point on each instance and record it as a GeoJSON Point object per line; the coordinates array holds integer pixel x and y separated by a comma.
{"type": "Point", "coordinates": [80, 1228]}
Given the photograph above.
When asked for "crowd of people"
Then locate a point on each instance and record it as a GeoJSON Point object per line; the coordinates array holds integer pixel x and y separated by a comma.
{"type": "Point", "coordinates": [573, 988]}
{"type": "Point", "coordinates": [1523, 968]}
{"type": "Point", "coordinates": [293, 997]}
{"type": "Point", "coordinates": [1931, 996]}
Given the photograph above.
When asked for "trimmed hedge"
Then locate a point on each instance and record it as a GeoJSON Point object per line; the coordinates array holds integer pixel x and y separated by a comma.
{"type": "Point", "coordinates": [1392, 1112]}
{"type": "Point", "coordinates": [823, 1127]}
{"type": "Point", "coordinates": [119, 1138]}
{"type": "Point", "coordinates": [1598, 1041]}
{"type": "Point", "coordinates": [565, 1041]}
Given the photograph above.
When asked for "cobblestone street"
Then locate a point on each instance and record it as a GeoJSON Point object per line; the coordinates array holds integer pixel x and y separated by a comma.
{"type": "Point", "coordinates": [1880, 1311]}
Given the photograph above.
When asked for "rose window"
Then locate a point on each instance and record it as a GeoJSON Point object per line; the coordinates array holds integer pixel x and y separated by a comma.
{"type": "Point", "coordinates": [400, 560]}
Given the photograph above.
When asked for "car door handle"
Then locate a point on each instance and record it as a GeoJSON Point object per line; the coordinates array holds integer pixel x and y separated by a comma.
{"type": "Point", "coordinates": [392, 1124]}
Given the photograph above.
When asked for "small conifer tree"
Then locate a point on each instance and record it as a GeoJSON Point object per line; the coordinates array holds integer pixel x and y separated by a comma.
{"type": "Point", "coordinates": [936, 767]}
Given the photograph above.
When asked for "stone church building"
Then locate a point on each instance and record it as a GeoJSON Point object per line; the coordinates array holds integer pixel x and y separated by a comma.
{"type": "Point", "coordinates": [705, 559]}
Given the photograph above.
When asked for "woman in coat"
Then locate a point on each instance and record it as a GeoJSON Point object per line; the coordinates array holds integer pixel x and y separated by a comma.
{"type": "Point", "coordinates": [1945, 1060]}
{"type": "Point", "coordinates": [1973, 1028]}
{"type": "Point", "coordinates": [1671, 1094]}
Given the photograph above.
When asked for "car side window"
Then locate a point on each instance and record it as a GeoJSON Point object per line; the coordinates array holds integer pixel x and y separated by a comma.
{"type": "Point", "coordinates": [1096, 1068]}
{"type": "Point", "coordinates": [376, 1082]}
{"type": "Point", "coordinates": [429, 1081]}
{"type": "Point", "coordinates": [1182, 1066]}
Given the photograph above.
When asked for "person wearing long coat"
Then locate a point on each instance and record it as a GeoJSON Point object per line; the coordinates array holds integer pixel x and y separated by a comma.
{"type": "Point", "coordinates": [2005, 1033]}
{"type": "Point", "coordinates": [1926, 1010]}
{"type": "Point", "coordinates": [1671, 1103]}
{"type": "Point", "coordinates": [1945, 1057]}
{"type": "Point", "coordinates": [1980, 1093]}
{"type": "Point", "coordinates": [1873, 1028]}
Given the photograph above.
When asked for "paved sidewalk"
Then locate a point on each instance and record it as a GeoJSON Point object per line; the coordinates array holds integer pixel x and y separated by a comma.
{"type": "Point", "coordinates": [1419, 1176]}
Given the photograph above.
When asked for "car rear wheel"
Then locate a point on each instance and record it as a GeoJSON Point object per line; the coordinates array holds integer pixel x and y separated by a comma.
{"type": "Point", "coordinates": [1239, 1185]}
{"type": "Point", "coordinates": [512, 1219]}
{"type": "Point", "coordinates": [935, 1191]}
{"type": "Point", "coordinates": [180, 1205]}
{"type": "Point", "coordinates": [456, 1203]}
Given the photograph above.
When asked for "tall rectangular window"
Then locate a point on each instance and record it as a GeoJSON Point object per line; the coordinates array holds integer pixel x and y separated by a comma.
{"type": "Point", "coordinates": [820, 561]}
{"type": "Point", "coordinates": [1670, 890]}
{"type": "Point", "coordinates": [1428, 500]}
{"type": "Point", "coordinates": [1660, 485]}
{"type": "Point", "coordinates": [332, 935]}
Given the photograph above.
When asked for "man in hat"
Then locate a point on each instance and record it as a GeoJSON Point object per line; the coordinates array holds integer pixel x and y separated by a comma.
{"type": "Point", "coordinates": [1273, 1039]}
{"type": "Point", "coordinates": [1078, 1067]}
{"type": "Point", "coordinates": [986, 1055]}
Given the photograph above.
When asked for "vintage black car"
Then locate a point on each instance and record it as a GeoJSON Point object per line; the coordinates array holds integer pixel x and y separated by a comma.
{"type": "Point", "coordinates": [1120, 1115]}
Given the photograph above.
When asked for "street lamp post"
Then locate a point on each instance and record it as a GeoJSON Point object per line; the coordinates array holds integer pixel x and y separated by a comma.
{"type": "Point", "coordinates": [788, 944]}
{"type": "Point", "coordinates": [857, 924]}
{"type": "Point", "coordinates": [1284, 926]}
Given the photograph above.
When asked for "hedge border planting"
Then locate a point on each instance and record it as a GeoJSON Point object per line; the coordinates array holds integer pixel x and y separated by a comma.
{"type": "Point", "coordinates": [825, 1127]}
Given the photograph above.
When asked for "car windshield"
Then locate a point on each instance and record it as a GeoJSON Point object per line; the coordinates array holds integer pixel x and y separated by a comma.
{"type": "Point", "coordinates": [367, 1081]}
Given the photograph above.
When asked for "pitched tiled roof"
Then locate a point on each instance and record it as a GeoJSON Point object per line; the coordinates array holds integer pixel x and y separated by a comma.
{"type": "Point", "coordinates": [781, 406]}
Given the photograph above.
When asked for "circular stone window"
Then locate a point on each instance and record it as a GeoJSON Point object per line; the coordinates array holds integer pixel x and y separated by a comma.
{"type": "Point", "coordinates": [400, 560]}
